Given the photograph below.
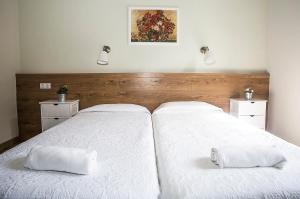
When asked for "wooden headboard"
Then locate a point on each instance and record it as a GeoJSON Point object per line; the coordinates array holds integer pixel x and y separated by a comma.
{"type": "Point", "coordinates": [147, 89]}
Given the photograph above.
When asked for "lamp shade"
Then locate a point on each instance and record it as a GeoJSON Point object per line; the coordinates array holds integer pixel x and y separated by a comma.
{"type": "Point", "coordinates": [209, 58]}
{"type": "Point", "coordinates": [103, 58]}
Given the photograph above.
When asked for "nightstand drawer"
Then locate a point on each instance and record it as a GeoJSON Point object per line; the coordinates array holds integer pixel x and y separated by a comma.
{"type": "Point", "coordinates": [50, 122]}
{"type": "Point", "coordinates": [58, 110]}
{"type": "Point", "coordinates": [251, 111]}
{"type": "Point", "coordinates": [54, 112]}
{"type": "Point", "coordinates": [258, 121]}
{"type": "Point", "coordinates": [251, 108]}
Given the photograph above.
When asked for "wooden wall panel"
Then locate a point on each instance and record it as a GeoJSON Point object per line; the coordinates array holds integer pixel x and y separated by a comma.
{"type": "Point", "coordinates": [147, 89]}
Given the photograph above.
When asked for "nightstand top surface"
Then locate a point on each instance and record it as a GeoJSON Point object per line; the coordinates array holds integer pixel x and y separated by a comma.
{"type": "Point", "coordinates": [254, 99]}
{"type": "Point", "coordinates": [57, 102]}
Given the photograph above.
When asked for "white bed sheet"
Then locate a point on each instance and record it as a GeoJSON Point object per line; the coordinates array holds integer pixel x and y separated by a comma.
{"type": "Point", "coordinates": [126, 160]}
{"type": "Point", "coordinates": [183, 143]}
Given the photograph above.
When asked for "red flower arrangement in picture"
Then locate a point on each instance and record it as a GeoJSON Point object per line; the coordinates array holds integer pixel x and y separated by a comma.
{"type": "Point", "coordinates": [154, 28]}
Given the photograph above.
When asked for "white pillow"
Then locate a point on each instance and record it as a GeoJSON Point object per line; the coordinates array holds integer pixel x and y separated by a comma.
{"type": "Point", "coordinates": [186, 106]}
{"type": "Point", "coordinates": [116, 108]}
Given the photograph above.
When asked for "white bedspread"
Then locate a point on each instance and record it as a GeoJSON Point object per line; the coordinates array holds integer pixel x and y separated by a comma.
{"type": "Point", "coordinates": [183, 144]}
{"type": "Point", "coordinates": [126, 160]}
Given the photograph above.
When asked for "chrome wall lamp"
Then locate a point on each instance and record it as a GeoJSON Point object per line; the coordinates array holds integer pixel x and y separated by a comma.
{"type": "Point", "coordinates": [103, 57]}
{"type": "Point", "coordinates": [209, 57]}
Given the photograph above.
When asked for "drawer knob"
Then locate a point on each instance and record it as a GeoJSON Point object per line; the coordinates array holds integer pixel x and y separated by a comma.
{"type": "Point", "coordinates": [56, 118]}
{"type": "Point", "coordinates": [252, 102]}
{"type": "Point", "coordinates": [55, 104]}
{"type": "Point", "coordinates": [252, 115]}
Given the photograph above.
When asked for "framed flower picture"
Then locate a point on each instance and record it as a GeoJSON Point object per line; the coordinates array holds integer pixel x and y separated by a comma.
{"type": "Point", "coordinates": [153, 26]}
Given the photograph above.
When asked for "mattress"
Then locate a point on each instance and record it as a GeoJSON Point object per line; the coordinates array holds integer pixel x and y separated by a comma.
{"type": "Point", "coordinates": [126, 159]}
{"type": "Point", "coordinates": [184, 138]}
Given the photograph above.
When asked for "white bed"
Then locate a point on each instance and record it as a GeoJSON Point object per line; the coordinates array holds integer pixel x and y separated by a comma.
{"type": "Point", "coordinates": [123, 138]}
{"type": "Point", "coordinates": [184, 135]}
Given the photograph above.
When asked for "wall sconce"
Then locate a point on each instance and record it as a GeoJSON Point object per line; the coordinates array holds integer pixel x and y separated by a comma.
{"type": "Point", "coordinates": [209, 57]}
{"type": "Point", "coordinates": [103, 57]}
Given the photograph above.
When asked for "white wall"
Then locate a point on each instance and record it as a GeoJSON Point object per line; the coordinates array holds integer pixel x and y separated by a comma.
{"type": "Point", "coordinates": [66, 36]}
{"type": "Point", "coordinates": [284, 67]}
{"type": "Point", "coordinates": [9, 65]}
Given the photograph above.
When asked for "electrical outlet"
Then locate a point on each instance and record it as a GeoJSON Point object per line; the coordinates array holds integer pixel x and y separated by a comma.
{"type": "Point", "coordinates": [45, 86]}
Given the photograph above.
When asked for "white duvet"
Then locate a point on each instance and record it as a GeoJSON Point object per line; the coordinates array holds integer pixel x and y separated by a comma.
{"type": "Point", "coordinates": [184, 139]}
{"type": "Point", "coordinates": [126, 159]}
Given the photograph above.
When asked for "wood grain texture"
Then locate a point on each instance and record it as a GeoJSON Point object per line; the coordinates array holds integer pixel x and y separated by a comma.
{"type": "Point", "coordinates": [147, 89]}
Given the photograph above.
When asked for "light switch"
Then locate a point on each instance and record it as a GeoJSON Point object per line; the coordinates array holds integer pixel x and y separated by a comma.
{"type": "Point", "coordinates": [45, 86]}
{"type": "Point", "coordinates": [48, 85]}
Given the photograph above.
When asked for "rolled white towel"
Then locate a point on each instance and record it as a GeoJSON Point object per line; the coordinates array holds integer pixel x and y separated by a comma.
{"type": "Point", "coordinates": [247, 157]}
{"type": "Point", "coordinates": [57, 158]}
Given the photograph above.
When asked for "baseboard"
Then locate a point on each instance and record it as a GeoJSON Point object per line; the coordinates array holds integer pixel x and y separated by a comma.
{"type": "Point", "coordinates": [9, 144]}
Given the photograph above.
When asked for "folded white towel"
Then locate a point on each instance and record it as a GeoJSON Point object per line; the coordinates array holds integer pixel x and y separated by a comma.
{"type": "Point", "coordinates": [56, 158]}
{"type": "Point", "coordinates": [247, 157]}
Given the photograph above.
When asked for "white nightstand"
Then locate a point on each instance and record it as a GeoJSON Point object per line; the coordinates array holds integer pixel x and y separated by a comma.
{"type": "Point", "coordinates": [251, 111]}
{"type": "Point", "coordinates": [54, 112]}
